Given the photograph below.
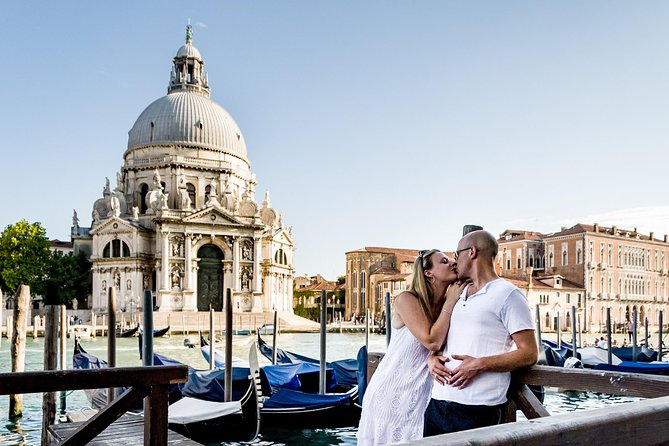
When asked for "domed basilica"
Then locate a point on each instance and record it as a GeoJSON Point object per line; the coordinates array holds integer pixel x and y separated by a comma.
{"type": "Point", "coordinates": [183, 220]}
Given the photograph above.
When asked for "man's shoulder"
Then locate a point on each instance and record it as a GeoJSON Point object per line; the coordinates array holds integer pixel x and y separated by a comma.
{"type": "Point", "coordinates": [503, 286]}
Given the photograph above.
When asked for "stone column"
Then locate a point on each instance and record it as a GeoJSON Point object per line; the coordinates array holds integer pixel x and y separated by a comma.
{"type": "Point", "coordinates": [165, 262]}
{"type": "Point", "coordinates": [256, 266]}
{"type": "Point", "coordinates": [189, 258]}
{"type": "Point", "coordinates": [235, 264]}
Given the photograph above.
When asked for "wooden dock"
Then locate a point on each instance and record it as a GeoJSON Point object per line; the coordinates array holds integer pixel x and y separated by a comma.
{"type": "Point", "coordinates": [127, 431]}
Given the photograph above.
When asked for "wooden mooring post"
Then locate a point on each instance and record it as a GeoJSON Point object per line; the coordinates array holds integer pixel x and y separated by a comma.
{"type": "Point", "coordinates": [51, 312]}
{"type": "Point", "coordinates": [18, 345]}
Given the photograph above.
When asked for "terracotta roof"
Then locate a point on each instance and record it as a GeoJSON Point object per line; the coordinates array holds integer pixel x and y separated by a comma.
{"type": "Point", "coordinates": [55, 243]}
{"type": "Point", "coordinates": [396, 251]}
{"type": "Point", "coordinates": [580, 228]}
{"type": "Point", "coordinates": [519, 235]}
{"type": "Point", "coordinates": [394, 277]}
{"type": "Point", "coordinates": [320, 286]}
{"type": "Point", "coordinates": [385, 270]}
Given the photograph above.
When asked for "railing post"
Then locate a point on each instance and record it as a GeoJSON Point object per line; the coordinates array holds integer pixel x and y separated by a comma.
{"type": "Point", "coordinates": [155, 422]}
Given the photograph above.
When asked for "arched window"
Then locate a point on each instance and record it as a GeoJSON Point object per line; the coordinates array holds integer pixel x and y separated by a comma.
{"type": "Point", "coordinates": [116, 248]}
{"type": "Point", "coordinates": [151, 136]}
{"type": "Point", "coordinates": [191, 193]}
{"type": "Point", "coordinates": [144, 190]}
{"type": "Point", "coordinates": [207, 192]}
{"type": "Point", "coordinates": [280, 257]}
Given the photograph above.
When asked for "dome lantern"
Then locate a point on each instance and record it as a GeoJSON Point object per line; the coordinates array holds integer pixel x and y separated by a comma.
{"type": "Point", "coordinates": [188, 70]}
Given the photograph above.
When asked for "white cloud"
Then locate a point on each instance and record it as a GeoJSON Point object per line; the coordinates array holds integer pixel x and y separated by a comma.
{"type": "Point", "coordinates": [645, 219]}
{"type": "Point", "coordinates": [200, 25]}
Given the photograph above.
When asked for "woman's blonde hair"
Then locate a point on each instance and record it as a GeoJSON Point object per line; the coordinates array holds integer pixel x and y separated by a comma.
{"type": "Point", "coordinates": [420, 287]}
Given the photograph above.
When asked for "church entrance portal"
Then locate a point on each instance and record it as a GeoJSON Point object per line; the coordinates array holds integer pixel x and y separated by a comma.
{"type": "Point", "coordinates": [210, 278]}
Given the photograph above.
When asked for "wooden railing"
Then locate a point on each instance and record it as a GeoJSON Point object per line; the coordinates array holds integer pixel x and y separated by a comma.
{"type": "Point", "coordinates": [640, 423]}
{"type": "Point", "coordinates": [151, 382]}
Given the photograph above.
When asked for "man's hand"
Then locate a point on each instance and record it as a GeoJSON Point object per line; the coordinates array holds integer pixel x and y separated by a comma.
{"type": "Point", "coordinates": [466, 371]}
{"type": "Point", "coordinates": [435, 364]}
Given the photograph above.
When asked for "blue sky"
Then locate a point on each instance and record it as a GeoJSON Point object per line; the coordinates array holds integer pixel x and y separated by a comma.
{"type": "Point", "coordinates": [372, 123]}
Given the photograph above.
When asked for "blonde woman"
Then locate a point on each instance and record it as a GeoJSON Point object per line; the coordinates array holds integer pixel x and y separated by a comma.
{"type": "Point", "coordinates": [397, 395]}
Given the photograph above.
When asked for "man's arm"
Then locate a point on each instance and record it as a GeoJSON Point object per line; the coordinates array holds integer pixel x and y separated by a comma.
{"type": "Point", "coordinates": [525, 355]}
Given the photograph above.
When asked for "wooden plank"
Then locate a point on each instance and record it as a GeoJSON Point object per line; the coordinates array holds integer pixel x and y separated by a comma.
{"type": "Point", "coordinates": [527, 402]}
{"type": "Point", "coordinates": [587, 380]}
{"type": "Point", "coordinates": [643, 423]}
{"type": "Point", "coordinates": [126, 431]}
{"type": "Point", "coordinates": [55, 380]}
{"type": "Point", "coordinates": [91, 428]}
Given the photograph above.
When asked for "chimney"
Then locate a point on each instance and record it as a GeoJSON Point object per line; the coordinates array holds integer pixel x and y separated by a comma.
{"type": "Point", "coordinates": [614, 229]}
{"type": "Point", "coordinates": [529, 270]}
{"type": "Point", "coordinates": [651, 235]}
{"type": "Point", "coordinates": [665, 238]}
{"type": "Point", "coordinates": [635, 231]}
{"type": "Point", "coordinates": [596, 227]}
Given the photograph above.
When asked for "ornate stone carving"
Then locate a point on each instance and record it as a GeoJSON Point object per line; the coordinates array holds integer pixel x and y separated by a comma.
{"type": "Point", "coordinates": [176, 275]}
{"type": "Point", "coordinates": [177, 246]}
{"type": "Point", "coordinates": [246, 278]}
{"type": "Point", "coordinates": [156, 199]}
{"type": "Point", "coordinates": [247, 250]}
{"type": "Point", "coordinates": [213, 195]}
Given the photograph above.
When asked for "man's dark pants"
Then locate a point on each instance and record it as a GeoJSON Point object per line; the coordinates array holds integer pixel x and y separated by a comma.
{"type": "Point", "coordinates": [442, 417]}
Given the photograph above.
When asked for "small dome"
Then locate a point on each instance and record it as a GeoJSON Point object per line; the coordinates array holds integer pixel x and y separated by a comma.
{"type": "Point", "coordinates": [188, 50]}
{"type": "Point", "coordinates": [191, 119]}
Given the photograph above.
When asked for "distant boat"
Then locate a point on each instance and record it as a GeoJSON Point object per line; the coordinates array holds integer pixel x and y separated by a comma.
{"type": "Point", "coordinates": [266, 330]}
{"type": "Point", "coordinates": [127, 333]}
{"type": "Point", "coordinates": [156, 333]}
{"type": "Point", "coordinates": [161, 332]}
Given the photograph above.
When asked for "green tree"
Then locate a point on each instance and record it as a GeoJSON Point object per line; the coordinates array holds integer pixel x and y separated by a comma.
{"type": "Point", "coordinates": [70, 274]}
{"type": "Point", "coordinates": [341, 280]}
{"type": "Point", "coordinates": [24, 256]}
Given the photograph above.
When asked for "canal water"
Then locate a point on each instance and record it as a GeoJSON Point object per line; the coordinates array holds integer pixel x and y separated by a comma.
{"type": "Point", "coordinates": [26, 431]}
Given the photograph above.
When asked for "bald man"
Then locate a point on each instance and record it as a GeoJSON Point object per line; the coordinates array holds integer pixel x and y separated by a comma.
{"type": "Point", "coordinates": [492, 315]}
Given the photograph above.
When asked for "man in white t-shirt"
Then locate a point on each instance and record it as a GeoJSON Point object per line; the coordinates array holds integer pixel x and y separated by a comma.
{"type": "Point", "coordinates": [489, 318]}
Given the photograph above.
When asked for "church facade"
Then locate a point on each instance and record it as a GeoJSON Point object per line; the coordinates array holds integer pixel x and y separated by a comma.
{"type": "Point", "coordinates": [183, 220]}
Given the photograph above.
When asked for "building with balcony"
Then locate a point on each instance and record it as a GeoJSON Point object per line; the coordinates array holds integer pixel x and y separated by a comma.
{"type": "Point", "coordinates": [617, 269]}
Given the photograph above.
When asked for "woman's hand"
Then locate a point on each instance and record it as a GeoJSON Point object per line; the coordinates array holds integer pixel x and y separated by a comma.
{"type": "Point", "coordinates": [453, 294]}
{"type": "Point", "coordinates": [435, 364]}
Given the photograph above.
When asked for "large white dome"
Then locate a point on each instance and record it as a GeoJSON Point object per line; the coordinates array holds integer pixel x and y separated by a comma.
{"type": "Point", "coordinates": [191, 119]}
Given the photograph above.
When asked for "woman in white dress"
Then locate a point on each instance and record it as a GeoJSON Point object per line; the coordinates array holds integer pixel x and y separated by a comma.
{"type": "Point", "coordinates": [399, 391]}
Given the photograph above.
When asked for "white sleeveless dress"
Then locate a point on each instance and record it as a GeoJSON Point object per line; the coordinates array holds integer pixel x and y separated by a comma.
{"type": "Point", "coordinates": [398, 394]}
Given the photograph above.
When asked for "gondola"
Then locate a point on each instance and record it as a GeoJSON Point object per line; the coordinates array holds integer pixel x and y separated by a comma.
{"type": "Point", "coordinates": [291, 398]}
{"type": "Point", "coordinates": [189, 414]}
{"type": "Point", "coordinates": [127, 333]}
{"type": "Point", "coordinates": [161, 332]}
{"type": "Point", "coordinates": [207, 421]}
